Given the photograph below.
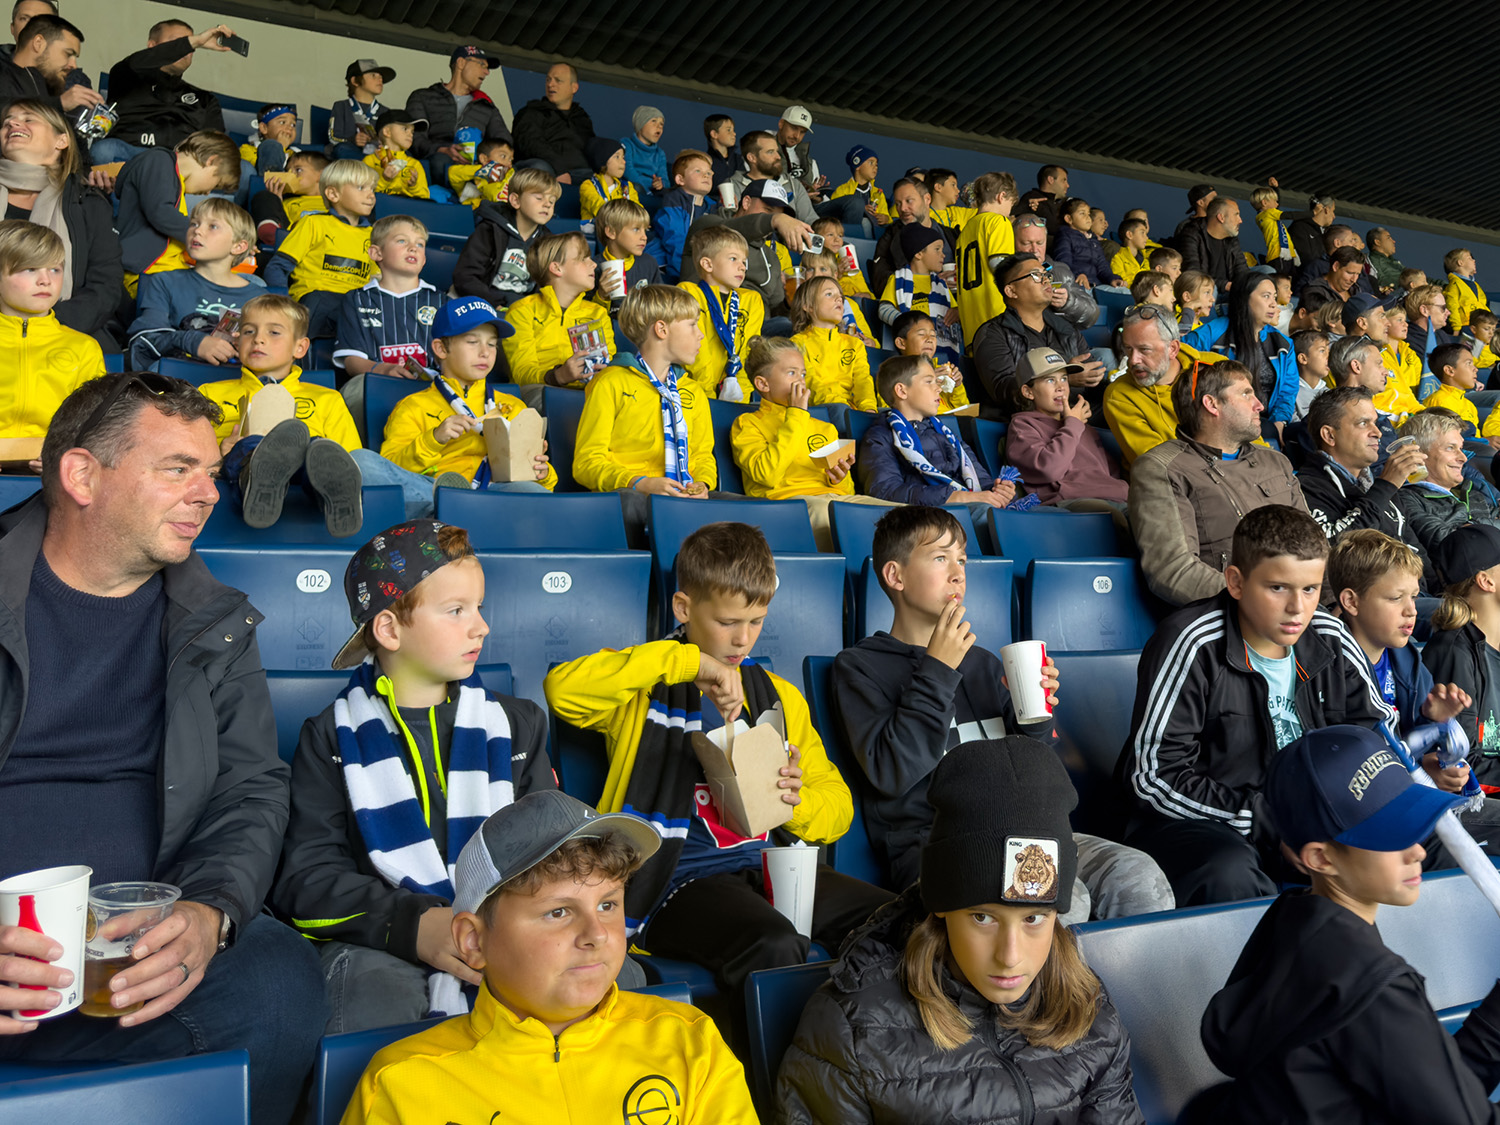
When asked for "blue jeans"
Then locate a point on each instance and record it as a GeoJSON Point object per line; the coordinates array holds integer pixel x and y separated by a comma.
{"type": "Point", "coordinates": [107, 150]}
{"type": "Point", "coordinates": [846, 208]}
{"type": "Point", "coordinates": [264, 993]}
{"type": "Point", "coordinates": [416, 489]}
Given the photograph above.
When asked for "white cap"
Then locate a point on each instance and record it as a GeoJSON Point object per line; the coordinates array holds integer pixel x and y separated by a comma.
{"type": "Point", "coordinates": [798, 115]}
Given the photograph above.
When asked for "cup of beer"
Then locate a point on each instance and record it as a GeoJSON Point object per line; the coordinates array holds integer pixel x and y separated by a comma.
{"type": "Point", "coordinates": [119, 915]}
{"type": "Point", "coordinates": [1420, 472]}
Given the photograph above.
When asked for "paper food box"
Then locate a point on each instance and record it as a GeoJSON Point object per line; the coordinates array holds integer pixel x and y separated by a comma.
{"type": "Point", "coordinates": [17, 452]}
{"type": "Point", "coordinates": [268, 408]}
{"type": "Point", "coordinates": [743, 780]}
{"type": "Point", "coordinates": [834, 450]}
{"type": "Point", "coordinates": [514, 444]}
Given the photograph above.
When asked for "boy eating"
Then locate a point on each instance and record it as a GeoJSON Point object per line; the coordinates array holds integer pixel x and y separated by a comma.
{"type": "Point", "coordinates": [559, 336]}
{"type": "Point", "coordinates": [395, 132]}
{"type": "Point", "coordinates": [487, 181]}
{"type": "Point", "coordinates": [326, 254]}
{"type": "Point", "coordinates": [916, 333]}
{"type": "Point", "coordinates": [729, 316]}
{"type": "Point", "coordinates": [493, 262]}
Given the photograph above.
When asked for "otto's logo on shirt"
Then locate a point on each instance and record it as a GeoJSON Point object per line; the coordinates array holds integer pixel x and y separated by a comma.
{"type": "Point", "coordinates": [653, 1100]}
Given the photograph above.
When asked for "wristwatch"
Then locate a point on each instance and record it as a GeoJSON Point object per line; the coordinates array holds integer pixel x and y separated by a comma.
{"type": "Point", "coordinates": [226, 927]}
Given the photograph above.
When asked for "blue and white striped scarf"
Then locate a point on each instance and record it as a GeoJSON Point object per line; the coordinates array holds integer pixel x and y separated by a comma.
{"type": "Point", "coordinates": [909, 446]}
{"type": "Point", "coordinates": [939, 301]}
{"type": "Point", "coordinates": [673, 424]}
{"type": "Point", "coordinates": [456, 400]}
{"type": "Point", "coordinates": [392, 815]}
{"type": "Point", "coordinates": [726, 328]}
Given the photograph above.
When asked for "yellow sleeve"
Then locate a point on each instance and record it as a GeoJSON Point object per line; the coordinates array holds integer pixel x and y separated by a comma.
{"type": "Point", "coordinates": [827, 807]}
{"type": "Point", "coordinates": [460, 174]}
{"type": "Point", "coordinates": [331, 419]}
{"type": "Point", "coordinates": [722, 1098]}
{"type": "Point", "coordinates": [1129, 426]}
{"type": "Point", "coordinates": [701, 463]}
{"type": "Point", "coordinates": [888, 294]}
{"type": "Point", "coordinates": [408, 441]}
{"type": "Point", "coordinates": [590, 691]}
{"type": "Point", "coordinates": [589, 201]}
{"type": "Point", "coordinates": [299, 240]}
{"type": "Point", "coordinates": [510, 406]}
{"type": "Point", "coordinates": [521, 348]}
{"type": "Point", "coordinates": [371, 1103]}
{"type": "Point", "coordinates": [845, 188]}
{"type": "Point", "coordinates": [862, 388]}
{"type": "Point", "coordinates": [226, 395]}
{"type": "Point", "coordinates": [592, 465]}
{"type": "Point", "coordinates": [1491, 425]}
{"type": "Point", "coordinates": [1266, 220]}
{"type": "Point", "coordinates": [764, 461]}
{"type": "Point", "coordinates": [1460, 303]}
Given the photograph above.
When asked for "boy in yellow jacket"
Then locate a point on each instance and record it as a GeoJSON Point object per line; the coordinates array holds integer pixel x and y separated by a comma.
{"type": "Point", "coordinates": [915, 333]}
{"type": "Point", "coordinates": [1454, 366]}
{"type": "Point", "coordinates": [776, 446]}
{"type": "Point", "coordinates": [400, 174]}
{"type": "Point", "coordinates": [703, 897]}
{"type": "Point", "coordinates": [488, 181]}
{"type": "Point", "coordinates": [41, 361]}
{"type": "Point", "coordinates": [729, 316]}
{"type": "Point", "coordinates": [606, 159]}
{"type": "Point", "coordinates": [538, 910]}
{"type": "Point", "coordinates": [1463, 291]}
{"type": "Point", "coordinates": [438, 433]}
{"type": "Point", "coordinates": [560, 337]}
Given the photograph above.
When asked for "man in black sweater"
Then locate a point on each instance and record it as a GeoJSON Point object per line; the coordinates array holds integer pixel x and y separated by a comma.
{"type": "Point", "coordinates": [551, 131]}
{"type": "Point", "coordinates": [1213, 246]}
{"type": "Point", "coordinates": [46, 53]}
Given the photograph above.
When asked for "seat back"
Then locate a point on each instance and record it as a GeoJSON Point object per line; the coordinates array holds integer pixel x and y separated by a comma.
{"type": "Point", "coordinates": [16, 489]}
{"type": "Point", "coordinates": [114, 362]}
{"type": "Point", "coordinates": [1459, 971]}
{"type": "Point", "coordinates": [382, 392]}
{"type": "Point", "coordinates": [1041, 534]}
{"type": "Point", "coordinates": [774, 999]}
{"type": "Point", "coordinates": [1092, 725]}
{"type": "Point", "coordinates": [1087, 604]}
{"type": "Point", "coordinates": [442, 220]}
{"type": "Point", "coordinates": [301, 522]}
{"type": "Point", "coordinates": [853, 853]}
{"type": "Point", "coordinates": [853, 527]}
{"type": "Point", "coordinates": [214, 1087]}
{"type": "Point", "coordinates": [575, 521]}
{"type": "Point", "coordinates": [191, 371]}
{"type": "Point", "coordinates": [442, 257]}
{"type": "Point", "coordinates": [581, 761]}
{"type": "Point", "coordinates": [723, 415]}
{"type": "Point", "coordinates": [1160, 971]}
{"type": "Point", "coordinates": [563, 406]}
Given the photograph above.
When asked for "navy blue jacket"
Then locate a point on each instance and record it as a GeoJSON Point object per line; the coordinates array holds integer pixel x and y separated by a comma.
{"type": "Point", "coordinates": [885, 474]}
{"type": "Point", "coordinates": [1082, 254]}
{"type": "Point", "coordinates": [669, 229]}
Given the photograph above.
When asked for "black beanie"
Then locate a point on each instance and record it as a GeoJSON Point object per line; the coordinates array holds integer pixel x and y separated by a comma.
{"type": "Point", "coordinates": [915, 238]}
{"type": "Point", "coordinates": [600, 151]}
{"type": "Point", "coordinates": [1000, 830]}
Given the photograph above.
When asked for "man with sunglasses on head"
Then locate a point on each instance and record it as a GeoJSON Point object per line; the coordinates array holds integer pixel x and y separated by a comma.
{"type": "Point", "coordinates": [1071, 301]}
{"type": "Point", "coordinates": [136, 736]}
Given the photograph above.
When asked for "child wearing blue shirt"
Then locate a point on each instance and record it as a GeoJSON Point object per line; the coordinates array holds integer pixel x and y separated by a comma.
{"type": "Point", "coordinates": [645, 162]}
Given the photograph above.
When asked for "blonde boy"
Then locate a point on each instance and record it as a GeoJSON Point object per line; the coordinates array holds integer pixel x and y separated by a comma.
{"type": "Point", "coordinates": [493, 262]}
{"type": "Point", "coordinates": [1279, 251]}
{"type": "Point", "coordinates": [621, 228]}
{"type": "Point", "coordinates": [728, 316]}
{"type": "Point", "coordinates": [1397, 355]}
{"type": "Point", "coordinates": [154, 185]}
{"type": "Point", "coordinates": [561, 336]}
{"type": "Point", "coordinates": [986, 239]}
{"type": "Point", "coordinates": [395, 131]}
{"type": "Point", "coordinates": [41, 361]}
{"type": "Point", "coordinates": [851, 279]}
{"type": "Point", "coordinates": [328, 253]}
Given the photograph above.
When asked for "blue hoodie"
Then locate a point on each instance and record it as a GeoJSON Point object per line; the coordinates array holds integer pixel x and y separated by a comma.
{"type": "Point", "coordinates": [642, 161]}
{"type": "Point", "coordinates": [669, 231]}
{"type": "Point", "coordinates": [1213, 336]}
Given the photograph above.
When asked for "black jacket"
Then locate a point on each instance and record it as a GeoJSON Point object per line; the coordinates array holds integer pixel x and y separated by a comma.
{"type": "Point", "coordinates": [1220, 258]}
{"type": "Point", "coordinates": [1339, 503]}
{"type": "Point", "coordinates": [435, 103]}
{"type": "Point", "coordinates": [157, 109]}
{"type": "Point", "coordinates": [889, 257]}
{"type": "Point", "coordinates": [326, 873]}
{"type": "Point", "coordinates": [96, 262]}
{"type": "Point", "coordinates": [1431, 515]}
{"type": "Point", "coordinates": [24, 82]}
{"type": "Point", "coordinates": [148, 190]}
{"type": "Point", "coordinates": [222, 806]}
{"type": "Point", "coordinates": [1201, 735]}
{"type": "Point", "coordinates": [724, 166]}
{"type": "Point", "coordinates": [999, 346]}
{"type": "Point", "coordinates": [544, 132]}
{"type": "Point", "coordinates": [901, 711]}
{"type": "Point", "coordinates": [493, 262]}
{"type": "Point", "coordinates": [861, 1054]}
{"type": "Point", "coordinates": [1457, 656]}
{"type": "Point", "coordinates": [1307, 238]}
{"type": "Point", "coordinates": [1321, 1024]}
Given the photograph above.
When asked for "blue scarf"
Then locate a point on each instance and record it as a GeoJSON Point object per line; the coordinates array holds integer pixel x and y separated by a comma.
{"type": "Point", "coordinates": [909, 446]}
{"type": "Point", "coordinates": [393, 817]}
{"type": "Point", "coordinates": [726, 330]}
{"type": "Point", "coordinates": [456, 400]}
{"type": "Point", "coordinates": [673, 424]}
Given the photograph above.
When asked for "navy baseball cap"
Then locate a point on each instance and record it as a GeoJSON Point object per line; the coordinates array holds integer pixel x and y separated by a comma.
{"type": "Point", "coordinates": [1345, 783]}
{"type": "Point", "coordinates": [469, 51]}
{"type": "Point", "coordinates": [458, 317]}
{"type": "Point", "coordinates": [1360, 305]}
{"type": "Point", "coordinates": [386, 568]}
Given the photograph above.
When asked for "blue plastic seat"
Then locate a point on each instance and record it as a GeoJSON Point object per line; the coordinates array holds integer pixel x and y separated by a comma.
{"type": "Point", "coordinates": [442, 257]}
{"type": "Point", "coordinates": [859, 422]}
{"type": "Point", "coordinates": [774, 999]}
{"type": "Point", "coordinates": [784, 522]}
{"type": "Point", "coordinates": [853, 854]}
{"type": "Point", "coordinates": [569, 206]}
{"type": "Point", "coordinates": [301, 521]}
{"type": "Point", "coordinates": [503, 521]}
{"type": "Point", "coordinates": [451, 220]}
{"type": "Point", "coordinates": [114, 362]}
{"type": "Point", "coordinates": [16, 488]}
{"type": "Point", "coordinates": [1087, 605]}
{"type": "Point", "coordinates": [563, 406]}
{"type": "Point", "coordinates": [983, 436]}
{"type": "Point", "coordinates": [580, 760]}
{"type": "Point", "coordinates": [988, 590]}
{"type": "Point", "coordinates": [214, 1087]}
{"type": "Point", "coordinates": [723, 415]}
{"type": "Point", "coordinates": [1092, 721]}
{"type": "Point", "coordinates": [1043, 534]}
{"type": "Point", "coordinates": [198, 374]}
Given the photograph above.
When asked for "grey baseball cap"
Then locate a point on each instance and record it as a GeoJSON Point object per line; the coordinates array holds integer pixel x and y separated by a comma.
{"type": "Point", "coordinates": [522, 834]}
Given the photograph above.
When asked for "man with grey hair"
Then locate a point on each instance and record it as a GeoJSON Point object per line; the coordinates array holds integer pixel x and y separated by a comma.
{"type": "Point", "coordinates": [1138, 405]}
{"type": "Point", "coordinates": [1070, 300]}
{"type": "Point", "coordinates": [136, 737]}
{"type": "Point", "coordinates": [1445, 499]}
{"type": "Point", "coordinates": [1213, 247]}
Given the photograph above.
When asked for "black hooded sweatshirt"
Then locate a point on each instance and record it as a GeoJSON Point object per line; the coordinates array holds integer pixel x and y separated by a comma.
{"type": "Point", "coordinates": [1321, 1024]}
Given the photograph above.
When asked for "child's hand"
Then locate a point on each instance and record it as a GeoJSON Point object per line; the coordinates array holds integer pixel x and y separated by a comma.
{"type": "Point", "coordinates": [799, 396]}
{"type": "Point", "coordinates": [397, 369]}
{"type": "Point", "coordinates": [1004, 491]}
{"type": "Point", "coordinates": [1049, 681]}
{"type": "Point", "coordinates": [388, 170]}
{"type": "Point", "coordinates": [229, 442]}
{"type": "Point", "coordinates": [361, 137]}
{"type": "Point", "coordinates": [101, 179]}
{"type": "Point", "coordinates": [1445, 701]}
{"type": "Point", "coordinates": [454, 426]}
{"type": "Point", "coordinates": [951, 371]}
{"type": "Point", "coordinates": [1081, 410]}
{"type": "Point", "coordinates": [656, 184]}
{"type": "Point", "coordinates": [435, 944]}
{"type": "Point", "coordinates": [277, 187]}
{"type": "Point", "coordinates": [951, 317]}
{"type": "Point", "coordinates": [216, 350]}
{"type": "Point", "coordinates": [540, 465]}
{"type": "Point", "coordinates": [721, 684]}
{"type": "Point", "coordinates": [661, 486]}
{"type": "Point", "coordinates": [697, 490]}
{"type": "Point", "coordinates": [952, 638]}
{"type": "Point", "coordinates": [836, 472]}
{"type": "Point", "coordinates": [569, 371]}
{"type": "Point", "coordinates": [791, 776]}
{"type": "Point", "coordinates": [1083, 279]}
{"type": "Point", "coordinates": [411, 175]}
{"type": "Point", "coordinates": [1450, 780]}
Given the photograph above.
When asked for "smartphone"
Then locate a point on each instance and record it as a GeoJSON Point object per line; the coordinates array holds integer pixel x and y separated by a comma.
{"type": "Point", "coordinates": [236, 44]}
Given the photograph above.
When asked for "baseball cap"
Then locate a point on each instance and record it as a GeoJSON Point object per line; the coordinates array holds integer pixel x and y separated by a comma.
{"type": "Point", "coordinates": [1359, 305]}
{"type": "Point", "coordinates": [1044, 361]}
{"type": "Point", "coordinates": [458, 317]}
{"type": "Point", "coordinates": [1344, 783]}
{"type": "Point", "coordinates": [770, 191]}
{"type": "Point", "coordinates": [368, 66]}
{"type": "Point", "coordinates": [470, 51]}
{"type": "Point", "coordinates": [399, 117]}
{"type": "Point", "coordinates": [388, 567]}
{"type": "Point", "coordinates": [798, 115]}
{"type": "Point", "coordinates": [518, 837]}
{"type": "Point", "coordinates": [1198, 192]}
{"type": "Point", "coordinates": [1467, 550]}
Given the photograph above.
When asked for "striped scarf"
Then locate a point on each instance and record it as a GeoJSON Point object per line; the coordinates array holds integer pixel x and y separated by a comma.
{"type": "Point", "coordinates": [909, 446]}
{"type": "Point", "coordinates": [454, 399]}
{"type": "Point", "coordinates": [673, 424]}
{"type": "Point", "coordinates": [726, 328]}
{"type": "Point", "coordinates": [939, 301]}
{"type": "Point", "coordinates": [393, 817]}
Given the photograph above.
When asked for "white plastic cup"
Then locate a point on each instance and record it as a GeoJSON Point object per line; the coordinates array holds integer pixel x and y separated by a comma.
{"type": "Point", "coordinates": [726, 195]}
{"type": "Point", "coordinates": [1023, 662]}
{"type": "Point", "coordinates": [791, 876]}
{"type": "Point", "coordinates": [58, 899]}
{"type": "Point", "coordinates": [851, 259]}
{"type": "Point", "coordinates": [612, 278]}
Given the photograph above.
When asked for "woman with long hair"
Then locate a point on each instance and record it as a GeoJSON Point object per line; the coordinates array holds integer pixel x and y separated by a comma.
{"type": "Point", "coordinates": [1248, 334]}
{"type": "Point", "coordinates": [41, 182]}
{"type": "Point", "coordinates": [964, 1001]}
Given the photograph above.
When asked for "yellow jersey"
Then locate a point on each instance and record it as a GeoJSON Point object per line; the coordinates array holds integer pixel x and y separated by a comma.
{"type": "Point", "coordinates": [985, 238]}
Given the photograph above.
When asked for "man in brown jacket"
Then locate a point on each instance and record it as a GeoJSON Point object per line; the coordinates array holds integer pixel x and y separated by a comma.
{"type": "Point", "coordinates": [1187, 495]}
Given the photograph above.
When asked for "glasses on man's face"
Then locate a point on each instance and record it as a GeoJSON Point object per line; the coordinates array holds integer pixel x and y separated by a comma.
{"type": "Point", "coordinates": [146, 381]}
{"type": "Point", "coordinates": [1041, 276]}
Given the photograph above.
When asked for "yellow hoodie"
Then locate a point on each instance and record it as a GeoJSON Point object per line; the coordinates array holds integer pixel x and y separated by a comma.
{"type": "Point", "coordinates": [708, 369]}
{"type": "Point", "coordinates": [838, 370]}
{"type": "Point", "coordinates": [44, 362]}
{"type": "Point", "coordinates": [1464, 296]}
{"type": "Point", "coordinates": [541, 339]}
{"type": "Point", "coordinates": [409, 440]}
{"type": "Point", "coordinates": [399, 184]}
{"type": "Point", "coordinates": [620, 436]}
{"type": "Point", "coordinates": [773, 447]}
{"type": "Point", "coordinates": [322, 408]}
{"type": "Point", "coordinates": [1455, 399]}
{"type": "Point", "coordinates": [1402, 362]}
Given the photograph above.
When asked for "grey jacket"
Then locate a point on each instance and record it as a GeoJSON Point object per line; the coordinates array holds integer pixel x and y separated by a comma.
{"type": "Point", "coordinates": [223, 795]}
{"type": "Point", "coordinates": [763, 271]}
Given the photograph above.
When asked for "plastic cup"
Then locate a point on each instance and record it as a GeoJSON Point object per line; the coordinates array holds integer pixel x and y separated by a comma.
{"type": "Point", "coordinates": [53, 901]}
{"type": "Point", "coordinates": [612, 278]}
{"type": "Point", "coordinates": [1420, 472]}
{"type": "Point", "coordinates": [791, 876]}
{"type": "Point", "coordinates": [726, 195]}
{"type": "Point", "coordinates": [1023, 662]}
{"type": "Point", "coordinates": [118, 915]}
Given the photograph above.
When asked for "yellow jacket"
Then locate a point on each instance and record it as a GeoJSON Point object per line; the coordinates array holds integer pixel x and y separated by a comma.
{"type": "Point", "coordinates": [474, 192]}
{"type": "Point", "coordinates": [708, 369]}
{"type": "Point", "coordinates": [773, 447]}
{"type": "Point", "coordinates": [541, 338]}
{"type": "Point", "coordinates": [631, 1056]}
{"type": "Point", "coordinates": [1278, 239]}
{"type": "Point", "coordinates": [620, 437]}
{"type": "Point", "coordinates": [1141, 418]}
{"type": "Point", "coordinates": [1464, 296]}
{"type": "Point", "coordinates": [409, 440]}
{"type": "Point", "coordinates": [331, 254]}
{"type": "Point", "coordinates": [953, 217]}
{"type": "Point", "coordinates": [1402, 362]}
{"type": "Point", "coordinates": [610, 692]}
{"type": "Point", "coordinates": [398, 185]}
{"type": "Point", "coordinates": [1126, 265]}
{"type": "Point", "coordinates": [854, 284]}
{"type": "Point", "coordinates": [877, 197]}
{"type": "Point", "coordinates": [322, 408]}
{"type": "Point", "coordinates": [43, 362]}
{"type": "Point", "coordinates": [591, 199]}
{"type": "Point", "coordinates": [1455, 399]}
{"type": "Point", "coordinates": [1397, 399]}
{"type": "Point", "coordinates": [952, 400]}
{"type": "Point", "coordinates": [838, 370]}
{"type": "Point", "coordinates": [1491, 425]}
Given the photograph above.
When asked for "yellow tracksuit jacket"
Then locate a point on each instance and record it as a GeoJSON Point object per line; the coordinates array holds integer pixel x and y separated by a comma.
{"type": "Point", "coordinates": [620, 435]}
{"type": "Point", "coordinates": [708, 369]}
{"type": "Point", "coordinates": [1126, 265]}
{"type": "Point", "coordinates": [1397, 398]}
{"type": "Point", "coordinates": [461, 178]}
{"type": "Point", "coordinates": [877, 197]}
{"type": "Point", "coordinates": [838, 369]}
{"type": "Point", "coordinates": [854, 285]}
{"type": "Point", "coordinates": [629, 1058]}
{"type": "Point", "coordinates": [399, 185]}
{"type": "Point", "coordinates": [773, 447]}
{"type": "Point", "coordinates": [610, 692]}
{"type": "Point", "coordinates": [409, 440]}
{"type": "Point", "coordinates": [541, 338]}
{"type": "Point", "coordinates": [322, 408]}
{"type": "Point", "coordinates": [42, 362]}
{"type": "Point", "coordinates": [1274, 231]}
{"type": "Point", "coordinates": [1454, 399]}
{"type": "Point", "coordinates": [1464, 296]}
{"type": "Point", "coordinates": [1402, 362]}
{"type": "Point", "coordinates": [590, 198]}
{"type": "Point", "coordinates": [1141, 418]}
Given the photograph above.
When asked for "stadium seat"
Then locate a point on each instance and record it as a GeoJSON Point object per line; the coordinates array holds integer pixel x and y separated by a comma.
{"type": "Point", "coordinates": [114, 362]}
{"type": "Point", "coordinates": [859, 422]}
{"type": "Point", "coordinates": [442, 220]}
{"type": "Point", "coordinates": [723, 415]}
{"type": "Point", "coordinates": [1112, 304]}
{"type": "Point", "coordinates": [301, 521]}
{"type": "Point", "coordinates": [442, 257]}
{"type": "Point", "coordinates": [1092, 721]}
{"type": "Point", "coordinates": [852, 853]}
{"type": "Point", "coordinates": [784, 523]}
{"type": "Point", "coordinates": [1460, 970]}
{"type": "Point", "coordinates": [774, 999]}
{"type": "Point", "coordinates": [1099, 336]}
{"type": "Point", "coordinates": [988, 591]}
{"type": "Point", "coordinates": [853, 527]}
{"type": "Point", "coordinates": [568, 204]}
{"type": "Point", "coordinates": [1160, 971]}
{"type": "Point", "coordinates": [986, 438]}
{"type": "Point", "coordinates": [198, 374]}
{"type": "Point", "coordinates": [1056, 534]}
{"type": "Point", "coordinates": [16, 488]}
{"type": "Point", "coordinates": [504, 521]}
{"type": "Point", "coordinates": [213, 1087]}
{"type": "Point", "coordinates": [580, 760]}
{"type": "Point", "coordinates": [1087, 604]}
{"type": "Point", "coordinates": [563, 406]}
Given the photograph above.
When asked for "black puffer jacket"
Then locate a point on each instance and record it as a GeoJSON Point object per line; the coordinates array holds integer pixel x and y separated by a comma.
{"type": "Point", "coordinates": [96, 263]}
{"type": "Point", "coordinates": [544, 132]}
{"type": "Point", "coordinates": [1432, 514]}
{"type": "Point", "coordinates": [435, 105]}
{"type": "Point", "coordinates": [862, 1055]}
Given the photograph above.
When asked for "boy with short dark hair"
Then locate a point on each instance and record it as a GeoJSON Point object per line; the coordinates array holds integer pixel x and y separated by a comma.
{"type": "Point", "coordinates": [328, 253]}
{"type": "Point", "coordinates": [539, 911]}
{"type": "Point", "coordinates": [153, 187]}
{"type": "Point", "coordinates": [493, 262]}
{"type": "Point", "coordinates": [349, 132]}
{"type": "Point", "coordinates": [276, 132]}
{"type": "Point", "coordinates": [1167, 260]}
{"type": "Point", "coordinates": [287, 199]}
{"type": "Point", "coordinates": [1454, 366]}
{"type": "Point", "coordinates": [1130, 261]}
{"type": "Point", "coordinates": [396, 775]}
{"type": "Point", "coordinates": [1152, 287]}
{"type": "Point", "coordinates": [560, 336]}
{"type": "Point", "coordinates": [720, 144]}
{"type": "Point", "coordinates": [916, 333]}
{"type": "Point", "coordinates": [1311, 347]}
{"type": "Point", "coordinates": [702, 897]}
{"type": "Point", "coordinates": [487, 180]}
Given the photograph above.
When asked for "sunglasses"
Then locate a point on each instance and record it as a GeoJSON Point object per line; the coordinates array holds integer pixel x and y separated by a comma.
{"type": "Point", "coordinates": [150, 383]}
{"type": "Point", "coordinates": [1146, 312]}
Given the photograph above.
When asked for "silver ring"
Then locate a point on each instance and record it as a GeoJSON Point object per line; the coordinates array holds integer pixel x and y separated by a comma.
{"type": "Point", "coordinates": [186, 972]}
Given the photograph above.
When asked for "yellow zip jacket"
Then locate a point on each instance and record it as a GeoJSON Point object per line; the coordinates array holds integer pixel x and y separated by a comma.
{"type": "Point", "coordinates": [42, 362]}
{"type": "Point", "coordinates": [399, 185]}
{"type": "Point", "coordinates": [620, 436]}
{"type": "Point", "coordinates": [610, 692]}
{"type": "Point", "coordinates": [625, 1061]}
{"type": "Point", "coordinates": [877, 197]}
{"type": "Point", "coordinates": [953, 217]}
{"type": "Point", "coordinates": [1491, 425]}
{"type": "Point", "coordinates": [838, 370]}
{"type": "Point", "coordinates": [1141, 418]}
{"type": "Point", "coordinates": [1464, 296]}
{"type": "Point", "coordinates": [1457, 401]}
{"type": "Point", "coordinates": [707, 370]}
{"type": "Point", "coordinates": [1126, 265]}
{"type": "Point", "coordinates": [461, 180]}
{"type": "Point", "coordinates": [773, 447]}
{"type": "Point", "coordinates": [409, 440]}
{"type": "Point", "coordinates": [591, 199]}
{"type": "Point", "coordinates": [541, 338]}
{"type": "Point", "coordinates": [1402, 362]}
{"type": "Point", "coordinates": [986, 236]}
{"type": "Point", "coordinates": [854, 285]}
{"type": "Point", "coordinates": [1278, 239]}
{"type": "Point", "coordinates": [1397, 399]}
{"type": "Point", "coordinates": [322, 408]}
